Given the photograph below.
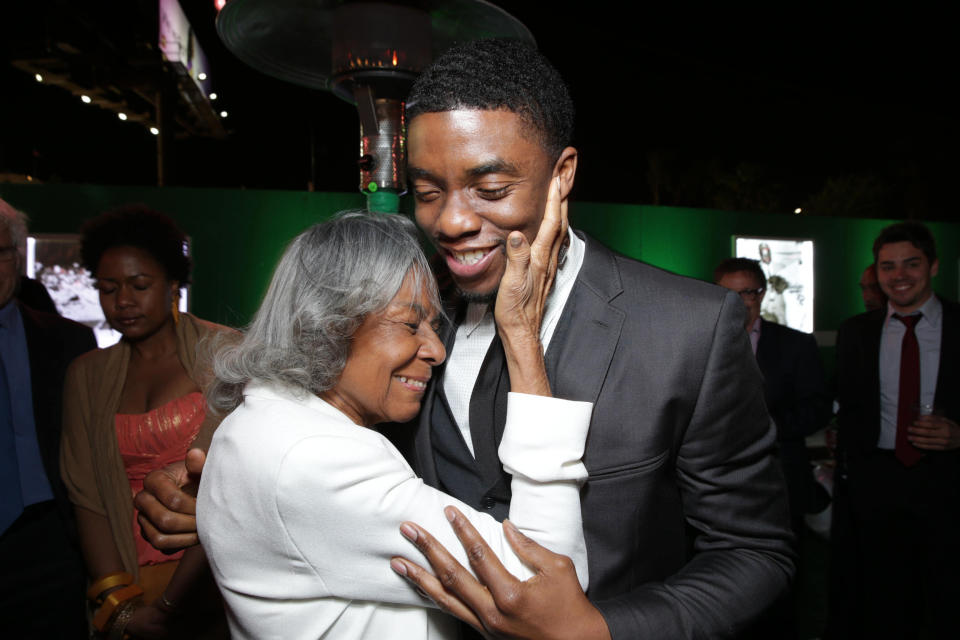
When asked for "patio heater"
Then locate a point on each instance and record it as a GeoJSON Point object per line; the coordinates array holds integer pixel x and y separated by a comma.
{"type": "Point", "coordinates": [367, 53]}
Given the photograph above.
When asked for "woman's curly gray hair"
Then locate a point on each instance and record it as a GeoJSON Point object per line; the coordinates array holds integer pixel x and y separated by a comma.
{"type": "Point", "coordinates": [329, 279]}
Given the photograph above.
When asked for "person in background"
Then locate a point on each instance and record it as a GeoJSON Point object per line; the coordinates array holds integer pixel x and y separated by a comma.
{"type": "Point", "coordinates": [128, 410]}
{"type": "Point", "coordinates": [794, 385]}
{"type": "Point", "coordinates": [897, 491]}
{"type": "Point", "coordinates": [873, 296]}
{"type": "Point", "coordinates": [42, 583]}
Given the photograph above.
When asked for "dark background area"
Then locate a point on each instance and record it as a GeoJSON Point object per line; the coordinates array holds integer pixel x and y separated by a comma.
{"type": "Point", "coordinates": [839, 111]}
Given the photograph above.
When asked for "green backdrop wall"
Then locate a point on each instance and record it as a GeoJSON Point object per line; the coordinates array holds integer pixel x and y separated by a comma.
{"type": "Point", "coordinates": [237, 236]}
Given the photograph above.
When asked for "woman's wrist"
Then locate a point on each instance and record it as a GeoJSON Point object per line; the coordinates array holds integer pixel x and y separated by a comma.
{"type": "Point", "coordinates": [117, 627]}
{"type": "Point", "coordinates": [525, 364]}
{"type": "Point", "coordinates": [113, 604]}
{"type": "Point", "coordinates": [106, 584]}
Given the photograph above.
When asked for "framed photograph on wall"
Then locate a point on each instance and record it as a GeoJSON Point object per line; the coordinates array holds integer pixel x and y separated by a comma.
{"type": "Point", "coordinates": [53, 259]}
{"type": "Point", "coordinates": [788, 265]}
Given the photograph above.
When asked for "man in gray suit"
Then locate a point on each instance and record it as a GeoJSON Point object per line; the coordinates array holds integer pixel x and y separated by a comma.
{"type": "Point", "coordinates": [685, 512]}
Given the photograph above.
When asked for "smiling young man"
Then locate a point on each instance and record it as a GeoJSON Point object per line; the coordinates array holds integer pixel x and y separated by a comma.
{"type": "Point", "coordinates": [897, 513]}
{"type": "Point", "coordinates": [678, 420]}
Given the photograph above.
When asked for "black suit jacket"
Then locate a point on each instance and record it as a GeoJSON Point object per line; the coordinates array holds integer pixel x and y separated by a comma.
{"type": "Point", "coordinates": [793, 381]}
{"type": "Point", "coordinates": [679, 441]}
{"type": "Point", "coordinates": [796, 394]}
{"type": "Point", "coordinates": [52, 344]}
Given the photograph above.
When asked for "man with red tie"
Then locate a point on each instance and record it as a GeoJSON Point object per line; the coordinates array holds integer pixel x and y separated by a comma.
{"type": "Point", "coordinates": [897, 512]}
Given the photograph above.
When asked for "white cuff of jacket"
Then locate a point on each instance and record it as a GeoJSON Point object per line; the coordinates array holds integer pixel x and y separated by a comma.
{"type": "Point", "coordinates": [544, 438]}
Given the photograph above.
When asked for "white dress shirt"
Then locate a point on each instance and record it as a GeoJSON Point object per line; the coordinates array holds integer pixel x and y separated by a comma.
{"type": "Point", "coordinates": [928, 330]}
{"type": "Point", "coordinates": [754, 334]}
{"type": "Point", "coordinates": [477, 329]}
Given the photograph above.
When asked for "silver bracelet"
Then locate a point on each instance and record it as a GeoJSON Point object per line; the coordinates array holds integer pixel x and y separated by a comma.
{"type": "Point", "coordinates": [120, 621]}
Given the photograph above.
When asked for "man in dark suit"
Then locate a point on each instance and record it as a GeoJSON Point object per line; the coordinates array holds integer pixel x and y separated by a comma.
{"type": "Point", "coordinates": [793, 383]}
{"type": "Point", "coordinates": [897, 496]}
{"type": "Point", "coordinates": [41, 592]}
{"type": "Point", "coordinates": [683, 487]}
{"type": "Point", "coordinates": [684, 513]}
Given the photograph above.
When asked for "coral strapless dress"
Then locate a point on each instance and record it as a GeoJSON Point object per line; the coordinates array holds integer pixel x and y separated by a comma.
{"type": "Point", "coordinates": [152, 440]}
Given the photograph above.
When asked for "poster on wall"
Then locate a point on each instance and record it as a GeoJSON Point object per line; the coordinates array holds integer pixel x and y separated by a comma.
{"type": "Point", "coordinates": [53, 259]}
{"type": "Point", "coordinates": [788, 265]}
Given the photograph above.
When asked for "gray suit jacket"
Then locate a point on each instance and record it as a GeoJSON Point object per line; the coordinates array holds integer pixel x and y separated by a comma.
{"type": "Point", "coordinates": [685, 513]}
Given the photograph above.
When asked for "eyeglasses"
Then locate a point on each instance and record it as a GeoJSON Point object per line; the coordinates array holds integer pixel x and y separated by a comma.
{"type": "Point", "coordinates": [8, 253]}
{"type": "Point", "coordinates": [751, 294]}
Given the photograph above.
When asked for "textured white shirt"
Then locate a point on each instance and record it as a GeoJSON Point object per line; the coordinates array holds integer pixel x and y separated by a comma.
{"type": "Point", "coordinates": [928, 330]}
{"type": "Point", "coordinates": [299, 512]}
{"type": "Point", "coordinates": [476, 332]}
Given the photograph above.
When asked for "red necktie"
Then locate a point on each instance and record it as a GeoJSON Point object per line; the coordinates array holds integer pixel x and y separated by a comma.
{"type": "Point", "coordinates": [909, 399]}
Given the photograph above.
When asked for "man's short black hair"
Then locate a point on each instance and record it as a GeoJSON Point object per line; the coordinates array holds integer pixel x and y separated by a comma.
{"type": "Point", "coordinates": [916, 233]}
{"type": "Point", "coordinates": [140, 227]}
{"type": "Point", "coordinates": [499, 74]}
{"type": "Point", "coordinates": [733, 265]}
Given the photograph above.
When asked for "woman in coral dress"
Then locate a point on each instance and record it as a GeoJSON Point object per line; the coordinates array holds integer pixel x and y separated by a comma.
{"type": "Point", "coordinates": [129, 410]}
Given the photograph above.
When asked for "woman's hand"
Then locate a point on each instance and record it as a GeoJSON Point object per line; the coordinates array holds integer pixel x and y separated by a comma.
{"type": "Point", "coordinates": [551, 604]}
{"type": "Point", "coordinates": [521, 298]}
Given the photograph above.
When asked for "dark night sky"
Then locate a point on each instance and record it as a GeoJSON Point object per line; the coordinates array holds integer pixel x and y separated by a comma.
{"type": "Point", "coordinates": [750, 109]}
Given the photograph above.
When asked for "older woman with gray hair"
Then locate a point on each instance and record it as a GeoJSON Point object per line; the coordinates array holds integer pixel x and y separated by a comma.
{"type": "Point", "coordinates": [302, 505]}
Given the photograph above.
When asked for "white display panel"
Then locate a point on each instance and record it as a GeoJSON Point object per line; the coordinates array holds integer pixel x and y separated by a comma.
{"type": "Point", "coordinates": [788, 265]}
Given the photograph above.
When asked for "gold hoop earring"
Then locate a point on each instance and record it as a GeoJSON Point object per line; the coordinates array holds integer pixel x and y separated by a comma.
{"type": "Point", "coordinates": [175, 309]}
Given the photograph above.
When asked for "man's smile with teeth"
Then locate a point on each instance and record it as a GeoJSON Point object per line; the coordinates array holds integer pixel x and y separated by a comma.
{"type": "Point", "coordinates": [469, 257]}
{"type": "Point", "coordinates": [421, 384]}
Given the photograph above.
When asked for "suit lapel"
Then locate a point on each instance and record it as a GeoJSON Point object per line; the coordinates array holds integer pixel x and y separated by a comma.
{"type": "Point", "coordinates": [871, 351]}
{"type": "Point", "coordinates": [949, 354]}
{"type": "Point", "coordinates": [41, 359]}
{"type": "Point", "coordinates": [591, 343]}
{"type": "Point", "coordinates": [766, 347]}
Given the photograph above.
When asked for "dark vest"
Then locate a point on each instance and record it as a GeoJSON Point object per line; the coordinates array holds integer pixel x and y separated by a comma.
{"type": "Point", "coordinates": [479, 481]}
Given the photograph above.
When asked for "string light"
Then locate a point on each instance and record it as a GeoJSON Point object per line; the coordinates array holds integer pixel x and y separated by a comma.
{"type": "Point", "coordinates": [213, 96]}
{"type": "Point", "coordinates": [155, 131]}
{"type": "Point", "coordinates": [201, 76]}
{"type": "Point", "coordinates": [122, 115]}
{"type": "Point", "coordinates": [86, 99]}
{"type": "Point", "coordinates": [223, 114]}
{"type": "Point", "coordinates": [38, 77]}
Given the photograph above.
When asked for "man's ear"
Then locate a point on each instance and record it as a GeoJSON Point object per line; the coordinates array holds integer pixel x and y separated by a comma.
{"type": "Point", "coordinates": [566, 169]}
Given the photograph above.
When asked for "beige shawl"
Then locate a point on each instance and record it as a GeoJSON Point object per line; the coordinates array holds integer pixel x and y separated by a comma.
{"type": "Point", "coordinates": [90, 461]}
